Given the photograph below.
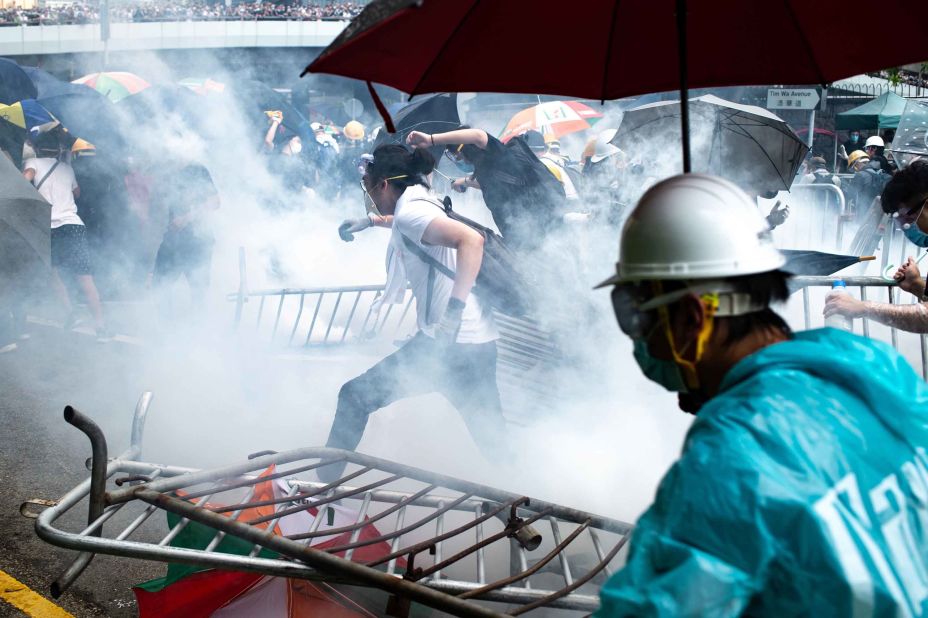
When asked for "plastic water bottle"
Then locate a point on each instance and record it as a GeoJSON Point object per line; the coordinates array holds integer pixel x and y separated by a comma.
{"type": "Point", "coordinates": [839, 321]}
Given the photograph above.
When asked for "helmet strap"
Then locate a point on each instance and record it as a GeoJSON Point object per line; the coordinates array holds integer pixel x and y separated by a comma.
{"type": "Point", "coordinates": [710, 304]}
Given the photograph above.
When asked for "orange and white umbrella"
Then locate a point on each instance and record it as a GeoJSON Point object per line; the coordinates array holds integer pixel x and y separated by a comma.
{"type": "Point", "coordinates": [556, 118]}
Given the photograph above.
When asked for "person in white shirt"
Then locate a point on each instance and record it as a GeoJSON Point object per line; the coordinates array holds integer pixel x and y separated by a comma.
{"type": "Point", "coordinates": [54, 179]}
{"type": "Point", "coordinates": [454, 351]}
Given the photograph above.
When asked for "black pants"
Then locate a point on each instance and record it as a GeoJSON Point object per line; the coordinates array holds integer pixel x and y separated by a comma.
{"type": "Point", "coordinates": [464, 373]}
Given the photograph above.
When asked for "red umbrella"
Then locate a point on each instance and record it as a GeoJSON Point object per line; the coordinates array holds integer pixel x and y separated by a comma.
{"type": "Point", "coordinates": [609, 49]}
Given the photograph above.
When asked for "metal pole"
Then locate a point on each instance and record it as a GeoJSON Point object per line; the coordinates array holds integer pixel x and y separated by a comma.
{"type": "Point", "coordinates": [684, 88]}
{"type": "Point", "coordinates": [105, 31]}
{"type": "Point", "coordinates": [812, 129]}
{"type": "Point", "coordinates": [314, 558]}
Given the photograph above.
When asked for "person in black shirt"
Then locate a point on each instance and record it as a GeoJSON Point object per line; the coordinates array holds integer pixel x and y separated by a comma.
{"type": "Point", "coordinates": [187, 247]}
{"type": "Point", "coordinates": [526, 200]}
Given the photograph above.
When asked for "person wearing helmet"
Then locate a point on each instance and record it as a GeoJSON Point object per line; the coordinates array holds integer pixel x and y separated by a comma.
{"type": "Point", "coordinates": [354, 131]}
{"type": "Point", "coordinates": [874, 147]}
{"type": "Point", "coordinates": [801, 486]}
{"type": "Point", "coordinates": [904, 199]}
{"type": "Point", "coordinates": [857, 160]}
{"type": "Point", "coordinates": [867, 183]}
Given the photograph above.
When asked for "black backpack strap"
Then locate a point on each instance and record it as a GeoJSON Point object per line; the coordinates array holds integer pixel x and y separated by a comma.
{"type": "Point", "coordinates": [433, 266]}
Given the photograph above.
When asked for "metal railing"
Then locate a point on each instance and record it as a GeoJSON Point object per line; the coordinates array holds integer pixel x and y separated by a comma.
{"type": "Point", "coordinates": [318, 317]}
{"type": "Point", "coordinates": [464, 542]}
{"type": "Point", "coordinates": [817, 217]}
{"type": "Point", "coordinates": [872, 289]}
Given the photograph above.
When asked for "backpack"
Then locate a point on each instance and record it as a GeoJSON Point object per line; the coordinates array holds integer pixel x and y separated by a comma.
{"type": "Point", "coordinates": [549, 185]}
{"type": "Point", "coordinates": [500, 283]}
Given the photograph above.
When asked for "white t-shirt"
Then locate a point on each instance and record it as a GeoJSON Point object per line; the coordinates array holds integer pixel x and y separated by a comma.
{"type": "Point", "coordinates": [58, 189]}
{"type": "Point", "coordinates": [412, 216]}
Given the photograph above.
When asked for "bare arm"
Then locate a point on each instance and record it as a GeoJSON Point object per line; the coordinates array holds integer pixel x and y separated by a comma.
{"type": "Point", "coordinates": [381, 220]}
{"type": "Point", "coordinates": [445, 232]}
{"type": "Point", "coordinates": [477, 137]}
{"type": "Point", "coordinates": [271, 132]}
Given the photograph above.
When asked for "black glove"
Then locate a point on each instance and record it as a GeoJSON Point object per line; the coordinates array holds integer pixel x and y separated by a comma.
{"type": "Point", "coordinates": [450, 324]}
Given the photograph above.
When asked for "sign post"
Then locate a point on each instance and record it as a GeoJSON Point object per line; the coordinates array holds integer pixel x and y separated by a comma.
{"type": "Point", "coordinates": [795, 98]}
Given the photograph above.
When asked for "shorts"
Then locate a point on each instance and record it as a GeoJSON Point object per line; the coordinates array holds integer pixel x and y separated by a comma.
{"type": "Point", "coordinates": [69, 250]}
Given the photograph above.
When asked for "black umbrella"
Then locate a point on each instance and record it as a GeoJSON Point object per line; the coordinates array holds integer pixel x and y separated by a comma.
{"type": "Point", "coordinates": [15, 84]}
{"type": "Point", "coordinates": [155, 103]}
{"type": "Point", "coordinates": [817, 263]}
{"type": "Point", "coordinates": [25, 229]}
{"type": "Point", "coordinates": [47, 85]}
{"type": "Point", "coordinates": [258, 97]}
{"type": "Point", "coordinates": [89, 115]}
{"type": "Point", "coordinates": [435, 113]}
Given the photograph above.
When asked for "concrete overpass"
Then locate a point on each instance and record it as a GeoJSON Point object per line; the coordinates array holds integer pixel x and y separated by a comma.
{"type": "Point", "coordinates": [167, 35]}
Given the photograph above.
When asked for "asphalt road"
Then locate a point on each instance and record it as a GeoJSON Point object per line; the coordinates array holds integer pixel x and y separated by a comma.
{"type": "Point", "coordinates": [41, 456]}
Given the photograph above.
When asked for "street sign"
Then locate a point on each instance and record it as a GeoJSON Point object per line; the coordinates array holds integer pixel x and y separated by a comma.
{"type": "Point", "coordinates": [792, 98]}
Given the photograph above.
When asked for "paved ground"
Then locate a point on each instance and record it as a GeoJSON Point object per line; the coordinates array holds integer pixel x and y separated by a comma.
{"type": "Point", "coordinates": [42, 456]}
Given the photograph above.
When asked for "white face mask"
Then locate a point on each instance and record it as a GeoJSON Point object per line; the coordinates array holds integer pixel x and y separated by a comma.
{"type": "Point", "coordinates": [296, 147]}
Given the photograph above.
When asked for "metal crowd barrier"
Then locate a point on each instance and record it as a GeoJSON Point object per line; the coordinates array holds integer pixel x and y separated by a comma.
{"type": "Point", "coordinates": [875, 289]}
{"type": "Point", "coordinates": [319, 317]}
{"type": "Point", "coordinates": [817, 218]}
{"type": "Point", "coordinates": [452, 545]}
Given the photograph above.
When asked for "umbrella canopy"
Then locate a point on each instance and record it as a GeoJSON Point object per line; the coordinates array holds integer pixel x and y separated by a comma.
{"type": "Point", "coordinates": [556, 118]}
{"type": "Point", "coordinates": [86, 114]}
{"type": "Point", "coordinates": [202, 85]}
{"type": "Point", "coordinates": [883, 112]}
{"type": "Point", "coordinates": [911, 139]}
{"type": "Point", "coordinates": [47, 85]}
{"type": "Point", "coordinates": [817, 263]}
{"type": "Point", "coordinates": [15, 84]}
{"type": "Point", "coordinates": [25, 229]}
{"type": "Point", "coordinates": [610, 50]}
{"type": "Point", "coordinates": [257, 97]}
{"type": "Point", "coordinates": [114, 85]}
{"type": "Point", "coordinates": [749, 145]}
{"type": "Point", "coordinates": [430, 114]}
{"type": "Point", "coordinates": [29, 115]}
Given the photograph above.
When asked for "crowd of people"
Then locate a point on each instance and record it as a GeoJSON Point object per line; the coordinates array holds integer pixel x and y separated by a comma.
{"type": "Point", "coordinates": [77, 13]}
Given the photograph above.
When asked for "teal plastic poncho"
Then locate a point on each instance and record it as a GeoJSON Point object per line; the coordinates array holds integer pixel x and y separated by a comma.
{"type": "Point", "coordinates": [802, 490]}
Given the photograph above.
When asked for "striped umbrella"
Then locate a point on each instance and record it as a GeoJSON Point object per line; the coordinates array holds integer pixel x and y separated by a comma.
{"type": "Point", "coordinates": [557, 118]}
{"type": "Point", "coordinates": [114, 85]}
{"type": "Point", "coordinates": [202, 85]}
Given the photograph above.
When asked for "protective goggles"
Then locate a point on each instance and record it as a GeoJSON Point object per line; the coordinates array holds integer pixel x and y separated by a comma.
{"type": "Point", "coordinates": [635, 304]}
{"type": "Point", "coordinates": [455, 155]}
{"type": "Point", "coordinates": [906, 216]}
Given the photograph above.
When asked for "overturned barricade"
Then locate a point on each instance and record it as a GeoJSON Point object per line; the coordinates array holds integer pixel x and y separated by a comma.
{"type": "Point", "coordinates": [422, 538]}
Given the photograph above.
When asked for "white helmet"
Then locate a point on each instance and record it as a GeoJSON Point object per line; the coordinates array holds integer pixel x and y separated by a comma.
{"type": "Point", "coordinates": [874, 140]}
{"type": "Point", "coordinates": [604, 149]}
{"type": "Point", "coordinates": [694, 226]}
